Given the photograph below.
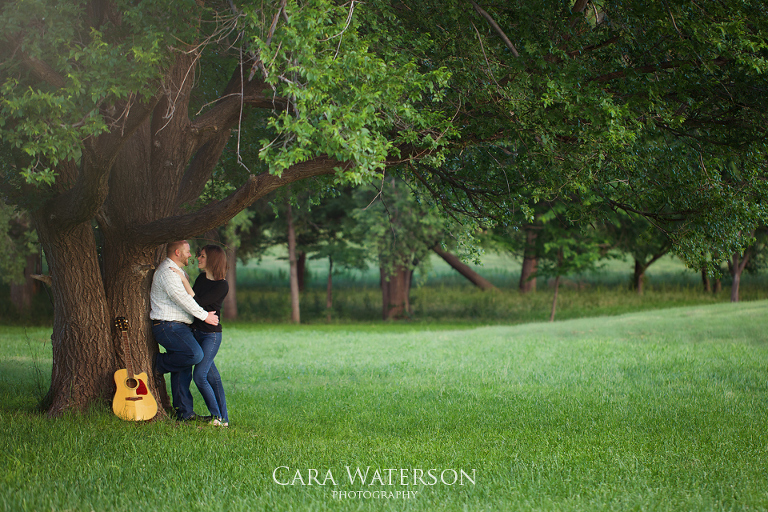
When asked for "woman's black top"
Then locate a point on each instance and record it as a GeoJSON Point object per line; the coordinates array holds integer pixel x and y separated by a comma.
{"type": "Point", "coordinates": [210, 295]}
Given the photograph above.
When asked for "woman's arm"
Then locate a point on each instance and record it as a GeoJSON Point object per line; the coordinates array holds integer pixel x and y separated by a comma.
{"type": "Point", "coordinates": [185, 281]}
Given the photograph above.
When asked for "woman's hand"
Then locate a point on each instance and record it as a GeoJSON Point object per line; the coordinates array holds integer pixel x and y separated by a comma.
{"type": "Point", "coordinates": [184, 280]}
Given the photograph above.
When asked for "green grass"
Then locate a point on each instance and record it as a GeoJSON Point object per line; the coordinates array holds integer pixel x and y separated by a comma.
{"type": "Point", "coordinates": [659, 410]}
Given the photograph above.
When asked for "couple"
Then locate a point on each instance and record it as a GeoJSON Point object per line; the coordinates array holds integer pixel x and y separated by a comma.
{"type": "Point", "coordinates": [185, 321]}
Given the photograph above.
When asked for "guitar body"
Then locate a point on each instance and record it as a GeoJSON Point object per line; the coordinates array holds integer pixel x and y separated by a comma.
{"type": "Point", "coordinates": [132, 400]}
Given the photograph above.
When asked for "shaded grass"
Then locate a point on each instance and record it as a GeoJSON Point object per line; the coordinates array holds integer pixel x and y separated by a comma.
{"type": "Point", "coordinates": [661, 410]}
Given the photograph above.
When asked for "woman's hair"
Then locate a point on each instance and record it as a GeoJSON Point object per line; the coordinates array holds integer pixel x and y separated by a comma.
{"type": "Point", "coordinates": [216, 263]}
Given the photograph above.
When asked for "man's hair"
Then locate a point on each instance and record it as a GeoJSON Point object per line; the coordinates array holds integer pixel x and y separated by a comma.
{"type": "Point", "coordinates": [216, 262]}
{"type": "Point", "coordinates": [171, 247]}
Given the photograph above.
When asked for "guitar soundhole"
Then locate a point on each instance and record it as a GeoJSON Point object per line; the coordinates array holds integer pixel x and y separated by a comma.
{"type": "Point", "coordinates": [131, 383]}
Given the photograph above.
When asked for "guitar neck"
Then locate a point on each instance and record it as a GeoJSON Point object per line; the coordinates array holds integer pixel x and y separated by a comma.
{"type": "Point", "coordinates": [127, 355]}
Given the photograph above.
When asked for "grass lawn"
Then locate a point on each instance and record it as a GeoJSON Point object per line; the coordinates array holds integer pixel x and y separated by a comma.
{"type": "Point", "coordinates": [657, 410]}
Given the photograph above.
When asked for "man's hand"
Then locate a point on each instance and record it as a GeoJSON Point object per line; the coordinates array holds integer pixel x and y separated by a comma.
{"type": "Point", "coordinates": [212, 318]}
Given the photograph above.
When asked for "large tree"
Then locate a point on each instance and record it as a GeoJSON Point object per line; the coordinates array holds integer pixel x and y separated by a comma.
{"type": "Point", "coordinates": [114, 115]}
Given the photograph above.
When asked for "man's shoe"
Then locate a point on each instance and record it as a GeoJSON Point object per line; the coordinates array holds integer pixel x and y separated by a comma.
{"type": "Point", "coordinates": [218, 422]}
{"type": "Point", "coordinates": [204, 418]}
{"type": "Point", "coordinates": [191, 417]}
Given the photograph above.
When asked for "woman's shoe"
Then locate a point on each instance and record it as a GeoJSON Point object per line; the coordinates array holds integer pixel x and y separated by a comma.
{"type": "Point", "coordinates": [218, 422]}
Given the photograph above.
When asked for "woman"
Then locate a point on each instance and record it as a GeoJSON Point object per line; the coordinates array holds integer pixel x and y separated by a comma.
{"type": "Point", "coordinates": [209, 291]}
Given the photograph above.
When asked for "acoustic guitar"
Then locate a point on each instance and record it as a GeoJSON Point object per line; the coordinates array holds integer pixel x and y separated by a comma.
{"type": "Point", "coordinates": [133, 401]}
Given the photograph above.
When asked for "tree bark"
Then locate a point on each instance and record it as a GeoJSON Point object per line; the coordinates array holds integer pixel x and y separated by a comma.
{"type": "Point", "coordinates": [395, 293]}
{"type": "Point", "coordinates": [705, 280]}
{"type": "Point", "coordinates": [294, 277]}
{"type": "Point", "coordinates": [530, 263]}
{"type": "Point", "coordinates": [637, 277]}
{"type": "Point", "coordinates": [463, 269]}
{"type": "Point", "coordinates": [738, 264]}
{"type": "Point", "coordinates": [84, 356]}
{"type": "Point", "coordinates": [301, 269]}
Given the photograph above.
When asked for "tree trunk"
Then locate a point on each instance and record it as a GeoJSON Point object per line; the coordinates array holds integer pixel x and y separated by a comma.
{"type": "Point", "coordinates": [463, 269]}
{"type": "Point", "coordinates": [738, 264]}
{"type": "Point", "coordinates": [735, 287]}
{"type": "Point", "coordinates": [294, 277]}
{"type": "Point", "coordinates": [395, 293]}
{"type": "Point", "coordinates": [82, 372]}
{"type": "Point", "coordinates": [229, 308]}
{"type": "Point", "coordinates": [329, 290]}
{"type": "Point", "coordinates": [705, 280]}
{"type": "Point", "coordinates": [530, 263]}
{"type": "Point", "coordinates": [527, 273]}
{"type": "Point", "coordinates": [22, 293]}
{"type": "Point", "coordinates": [301, 269]}
{"type": "Point", "coordinates": [637, 277]}
{"type": "Point", "coordinates": [554, 300]}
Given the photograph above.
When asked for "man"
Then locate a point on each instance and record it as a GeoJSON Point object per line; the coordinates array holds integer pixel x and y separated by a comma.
{"type": "Point", "coordinates": [172, 313]}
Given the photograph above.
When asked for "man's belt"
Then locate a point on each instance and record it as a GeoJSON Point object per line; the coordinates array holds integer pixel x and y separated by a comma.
{"type": "Point", "coordinates": [158, 322]}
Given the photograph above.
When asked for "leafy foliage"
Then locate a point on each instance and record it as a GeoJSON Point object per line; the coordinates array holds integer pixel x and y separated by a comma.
{"type": "Point", "coordinates": [86, 68]}
{"type": "Point", "coordinates": [398, 228]}
{"type": "Point", "coordinates": [18, 241]}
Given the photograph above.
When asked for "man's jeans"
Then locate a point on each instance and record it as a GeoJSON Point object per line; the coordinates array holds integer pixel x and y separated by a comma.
{"type": "Point", "coordinates": [181, 352]}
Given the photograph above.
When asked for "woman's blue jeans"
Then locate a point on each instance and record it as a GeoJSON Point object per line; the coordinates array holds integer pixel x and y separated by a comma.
{"type": "Point", "coordinates": [206, 375]}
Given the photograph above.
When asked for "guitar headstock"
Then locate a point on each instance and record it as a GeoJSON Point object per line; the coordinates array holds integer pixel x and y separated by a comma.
{"type": "Point", "coordinates": [121, 324]}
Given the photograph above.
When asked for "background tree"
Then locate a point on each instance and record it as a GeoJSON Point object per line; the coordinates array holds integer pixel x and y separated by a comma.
{"type": "Point", "coordinates": [331, 235]}
{"type": "Point", "coordinates": [232, 233]}
{"type": "Point", "coordinates": [568, 248]}
{"type": "Point", "coordinates": [632, 235]}
{"type": "Point", "coordinates": [400, 230]}
{"type": "Point", "coordinates": [755, 254]}
{"type": "Point", "coordinates": [21, 258]}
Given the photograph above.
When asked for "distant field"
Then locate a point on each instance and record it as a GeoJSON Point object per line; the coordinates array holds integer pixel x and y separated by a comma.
{"type": "Point", "coordinates": [503, 270]}
{"type": "Point", "coordinates": [444, 295]}
{"type": "Point", "coordinates": [661, 410]}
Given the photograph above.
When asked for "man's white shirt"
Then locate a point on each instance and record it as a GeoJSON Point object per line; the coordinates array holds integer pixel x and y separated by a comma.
{"type": "Point", "coordinates": [169, 299]}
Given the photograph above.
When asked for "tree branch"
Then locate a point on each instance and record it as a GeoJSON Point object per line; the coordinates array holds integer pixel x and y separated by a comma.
{"type": "Point", "coordinates": [227, 108]}
{"type": "Point", "coordinates": [37, 67]}
{"type": "Point", "coordinates": [496, 27]}
{"type": "Point", "coordinates": [218, 213]}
